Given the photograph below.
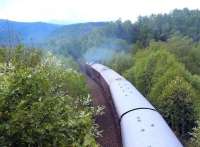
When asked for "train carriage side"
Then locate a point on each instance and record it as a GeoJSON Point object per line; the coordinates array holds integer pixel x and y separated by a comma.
{"type": "Point", "coordinates": [141, 125]}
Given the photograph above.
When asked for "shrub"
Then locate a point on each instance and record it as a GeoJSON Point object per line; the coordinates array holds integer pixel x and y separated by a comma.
{"type": "Point", "coordinates": [44, 105]}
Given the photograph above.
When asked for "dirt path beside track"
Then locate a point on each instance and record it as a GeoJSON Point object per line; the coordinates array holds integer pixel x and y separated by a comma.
{"type": "Point", "coordinates": [107, 122]}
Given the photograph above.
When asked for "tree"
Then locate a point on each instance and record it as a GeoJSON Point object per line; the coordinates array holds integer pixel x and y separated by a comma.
{"type": "Point", "coordinates": [160, 77]}
{"type": "Point", "coordinates": [176, 104]}
{"type": "Point", "coordinates": [120, 62]}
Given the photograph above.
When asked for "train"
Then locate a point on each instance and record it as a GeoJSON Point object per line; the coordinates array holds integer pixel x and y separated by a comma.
{"type": "Point", "coordinates": [140, 123]}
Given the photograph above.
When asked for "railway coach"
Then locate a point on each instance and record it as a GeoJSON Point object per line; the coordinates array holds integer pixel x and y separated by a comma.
{"type": "Point", "coordinates": [141, 125]}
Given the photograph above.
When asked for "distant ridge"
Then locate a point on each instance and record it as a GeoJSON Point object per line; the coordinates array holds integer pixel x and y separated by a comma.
{"type": "Point", "coordinates": [27, 32]}
{"type": "Point", "coordinates": [38, 32]}
{"type": "Point", "coordinates": [76, 30]}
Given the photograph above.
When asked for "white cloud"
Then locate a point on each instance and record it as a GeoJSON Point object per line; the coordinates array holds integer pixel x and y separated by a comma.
{"type": "Point", "coordinates": [88, 10]}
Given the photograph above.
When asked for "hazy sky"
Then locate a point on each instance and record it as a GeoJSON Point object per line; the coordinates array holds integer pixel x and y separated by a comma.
{"type": "Point", "coordinates": [87, 10]}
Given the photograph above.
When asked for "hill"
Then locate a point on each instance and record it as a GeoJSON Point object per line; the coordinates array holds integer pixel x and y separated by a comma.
{"type": "Point", "coordinates": [12, 32]}
{"type": "Point", "coordinates": [75, 30]}
{"type": "Point", "coordinates": [24, 32]}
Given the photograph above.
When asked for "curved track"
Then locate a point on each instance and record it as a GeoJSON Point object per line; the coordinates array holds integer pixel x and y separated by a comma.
{"type": "Point", "coordinates": [111, 130]}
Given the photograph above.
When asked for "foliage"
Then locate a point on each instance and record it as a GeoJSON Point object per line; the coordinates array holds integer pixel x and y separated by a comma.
{"type": "Point", "coordinates": [120, 62]}
{"type": "Point", "coordinates": [177, 106]}
{"type": "Point", "coordinates": [137, 74]}
{"type": "Point", "coordinates": [162, 26]}
{"type": "Point", "coordinates": [80, 39]}
{"type": "Point", "coordinates": [195, 141]}
{"type": "Point", "coordinates": [44, 104]}
{"type": "Point", "coordinates": [187, 51]}
{"type": "Point", "coordinates": [159, 76]}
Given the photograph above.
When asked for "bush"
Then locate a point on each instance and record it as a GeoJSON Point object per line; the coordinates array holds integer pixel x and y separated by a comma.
{"type": "Point", "coordinates": [44, 105]}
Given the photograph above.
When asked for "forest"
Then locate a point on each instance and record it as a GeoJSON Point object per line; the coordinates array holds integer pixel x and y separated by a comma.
{"type": "Point", "coordinates": [159, 54]}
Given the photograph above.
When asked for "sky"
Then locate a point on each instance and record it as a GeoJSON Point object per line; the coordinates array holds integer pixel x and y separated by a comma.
{"type": "Point", "coordinates": [73, 11]}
